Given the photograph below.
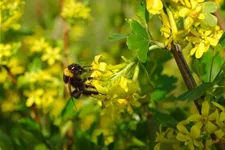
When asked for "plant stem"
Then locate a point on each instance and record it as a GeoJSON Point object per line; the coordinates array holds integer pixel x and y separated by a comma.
{"type": "Point", "coordinates": [190, 82]}
{"type": "Point", "coordinates": [184, 70]}
{"type": "Point", "coordinates": [220, 18]}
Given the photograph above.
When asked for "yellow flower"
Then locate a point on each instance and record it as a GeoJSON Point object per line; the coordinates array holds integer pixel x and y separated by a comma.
{"type": "Point", "coordinates": [39, 45]}
{"type": "Point", "coordinates": [192, 138]}
{"type": "Point", "coordinates": [11, 102]}
{"type": "Point", "coordinates": [154, 6]}
{"type": "Point", "coordinates": [191, 12]}
{"type": "Point", "coordinates": [220, 121]}
{"type": "Point", "coordinates": [169, 28]}
{"type": "Point", "coordinates": [52, 55]}
{"type": "Point", "coordinates": [205, 119]}
{"type": "Point", "coordinates": [5, 50]}
{"type": "Point", "coordinates": [11, 12]}
{"type": "Point", "coordinates": [123, 83]}
{"type": "Point", "coordinates": [162, 137]}
{"type": "Point", "coordinates": [34, 97]}
{"type": "Point", "coordinates": [14, 66]}
{"type": "Point", "coordinates": [73, 10]}
{"type": "Point", "coordinates": [48, 98]}
{"type": "Point", "coordinates": [202, 39]}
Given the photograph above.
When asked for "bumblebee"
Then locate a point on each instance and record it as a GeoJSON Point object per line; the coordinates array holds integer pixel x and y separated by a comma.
{"type": "Point", "coordinates": [73, 77]}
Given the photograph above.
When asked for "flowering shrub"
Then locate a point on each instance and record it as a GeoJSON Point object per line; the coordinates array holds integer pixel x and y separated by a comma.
{"type": "Point", "coordinates": [127, 92]}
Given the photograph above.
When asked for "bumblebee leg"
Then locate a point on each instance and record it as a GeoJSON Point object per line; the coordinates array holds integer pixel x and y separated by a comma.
{"type": "Point", "coordinates": [88, 78]}
{"type": "Point", "coordinates": [86, 92]}
{"type": "Point", "coordinates": [76, 94]}
{"type": "Point", "coordinates": [89, 86]}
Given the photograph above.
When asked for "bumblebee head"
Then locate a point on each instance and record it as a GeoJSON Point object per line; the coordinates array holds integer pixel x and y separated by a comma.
{"type": "Point", "coordinates": [76, 69]}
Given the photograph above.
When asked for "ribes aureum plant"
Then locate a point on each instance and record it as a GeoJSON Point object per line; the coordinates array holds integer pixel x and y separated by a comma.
{"type": "Point", "coordinates": [142, 99]}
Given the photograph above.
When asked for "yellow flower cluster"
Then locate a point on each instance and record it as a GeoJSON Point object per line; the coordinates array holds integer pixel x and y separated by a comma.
{"type": "Point", "coordinates": [186, 22]}
{"type": "Point", "coordinates": [40, 45]}
{"type": "Point", "coordinates": [9, 60]}
{"type": "Point", "coordinates": [10, 14]}
{"type": "Point", "coordinates": [211, 120]}
{"type": "Point", "coordinates": [73, 10]}
{"type": "Point", "coordinates": [195, 132]}
{"type": "Point", "coordinates": [44, 88]}
{"type": "Point", "coordinates": [117, 86]}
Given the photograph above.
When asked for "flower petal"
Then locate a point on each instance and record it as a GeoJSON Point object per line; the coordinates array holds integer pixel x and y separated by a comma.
{"type": "Point", "coordinates": [205, 108]}
{"type": "Point", "coordinates": [182, 137]}
{"type": "Point", "coordinates": [210, 127]}
{"type": "Point", "coordinates": [196, 130]}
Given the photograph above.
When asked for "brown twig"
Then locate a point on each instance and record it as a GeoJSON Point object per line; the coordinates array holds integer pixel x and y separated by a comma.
{"type": "Point", "coordinates": [10, 74]}
{"type": "Point", "coordinates": [184, 70]}
{"type": "Point", "coordinates": [70, 136]}
{"type": "Point", "coordinates": [190, 82]}
{"type": "Point", "coordinates": [35, 112]}
{"type": "Point", "coordinates": [70, 139]}
{"type": "Point", "coordinates": [220, 18]}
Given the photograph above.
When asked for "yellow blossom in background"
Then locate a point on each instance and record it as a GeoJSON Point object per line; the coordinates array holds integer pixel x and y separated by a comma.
{"type": "Point", "coordinates": [87, 121]}
{"type": "Point", "coordinates": [163, 137]}
{"type": "Point", "coordinates": [5, 52]}
{"type": "Point", "coordinates": [39, 45]}
{"type": "Point", "coordinates": [34, 97]}
{"type": "Point", "coordinates": [76, 32]}
{"type": "Point", "coordinates": [57, 107]}
{"type": "Point", "coordinates": [48, 98]}
{"type": "Point", "coordinates": [11, 102]}
{"type": "Point", "coordinates": [15, 67]}
{"type": "Point", "coordinates": [11, 12]}
{"type": "Point", "coordinates": [36, 77]}
{"type": "Point", "coordinates": [3, 76]}
{"type": "Point", "coordinates": [219, 2]}
{"type": "Point", "coordinates": [73, 10]}
{"type": "Point", "coordinates": [52, 55]}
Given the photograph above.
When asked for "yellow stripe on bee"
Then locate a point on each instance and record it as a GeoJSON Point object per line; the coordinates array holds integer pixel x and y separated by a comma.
{"type": "Point", "coordinates": [68, 73]}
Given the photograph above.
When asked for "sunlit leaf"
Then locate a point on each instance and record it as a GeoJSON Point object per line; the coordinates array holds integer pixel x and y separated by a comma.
{"type": "Point", "coordinates": [138, 40]}
{"type": "Point", "coordinates": [195, 93]}
{"type": "Point", "coordinates": [199, 68]}
{"type": "Point", "coordinates": [117, 36]}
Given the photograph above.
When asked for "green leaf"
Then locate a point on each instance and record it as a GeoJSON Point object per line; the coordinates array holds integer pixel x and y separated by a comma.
{"type": "Point", "coordinates": [35, 65]}
{"type": "Point", "coordinates": [209, 7]}
{"type": "Point", "coordinates": [68, 111]}
{"type": "Point", "coordinates": [138, 40]}
{"type": "Point", "coordinates": [30, 124]}
{"type": "Point", "coordinates": [210, 20]}
{"type": "Point", "coordinates": [217, 63]}
{"type": "Point", "coordinates": [5, 142]}
{"type": "Point", "coordinates": [195, 93]}
{"type": "Point", "coordinates": [41, 147]}
{"type": "Point", "coordinates": [199, 68]}
{"type": "Point", "coordinates": [222, 40]}
{"type": "Point", "coordinates": [163, 118]}
{"type": "Point", "coordinates": [117, 36]}
{"type": "Point", "coordinates": [158, 95]}
{"type": "Point", "coordinates": [141, 12]}
{"type": "Point", "coordinates": [221, 75]}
